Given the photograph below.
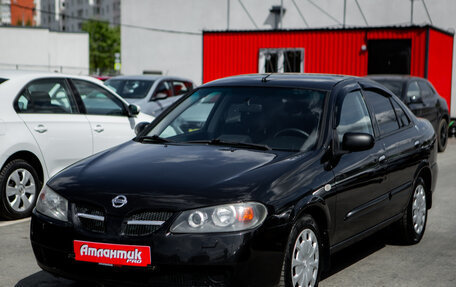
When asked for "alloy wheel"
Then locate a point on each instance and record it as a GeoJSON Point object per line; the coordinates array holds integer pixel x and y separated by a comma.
{"type": "Point", "coordinates": [20, 190]}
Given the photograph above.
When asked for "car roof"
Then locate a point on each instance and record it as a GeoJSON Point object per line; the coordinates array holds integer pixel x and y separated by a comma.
{"type": "Point", "coordinates": [149, 77]}
{"type": "Point", "coordinates": [312, 81]}
{"type": "Point", "coordinates": [30, 75]}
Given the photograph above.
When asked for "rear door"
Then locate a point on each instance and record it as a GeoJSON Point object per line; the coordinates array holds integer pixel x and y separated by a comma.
{"type": "Point", "coordinates": [430, 110]}
{"type": "Point", "coordinates": [49, 110]}
{"type": "Point", "coordinates": [107, 115]}
{"type": "Point", "coordinates": [400, 139]}
{"type": "Point", "coordinates": [359, 175]}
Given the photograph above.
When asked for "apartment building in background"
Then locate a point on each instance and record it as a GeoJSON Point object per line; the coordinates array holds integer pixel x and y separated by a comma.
{"type": "Point", "coordinates": [17, 12]}
{"type": "Point", "coordinates": [69, 15]}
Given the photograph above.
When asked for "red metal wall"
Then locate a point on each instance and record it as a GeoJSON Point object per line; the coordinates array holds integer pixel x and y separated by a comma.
{"type": "Point", "coordinates": [325, 51]}
{"type": "Point", "coordinates": [440, 64]}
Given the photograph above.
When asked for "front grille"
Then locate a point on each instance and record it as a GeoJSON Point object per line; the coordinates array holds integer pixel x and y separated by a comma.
{"type": "Point", "coordinates": [91, 218]}
{"type": "Point", "coordinates": [144, 223]}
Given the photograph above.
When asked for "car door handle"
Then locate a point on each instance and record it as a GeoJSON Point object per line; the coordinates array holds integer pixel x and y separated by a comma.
{"type": "Point", "coordinates": [98, 128]}
{"type": "Point", "coordinates": [381, 158]}
{"type": "Point", "coordinates": [40, 129]}
{"type": "Point", "coordinates": [417, 143]}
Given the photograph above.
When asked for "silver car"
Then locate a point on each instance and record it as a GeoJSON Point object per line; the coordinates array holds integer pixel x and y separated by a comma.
{"type": "Point", "coordinates": [152, 93]}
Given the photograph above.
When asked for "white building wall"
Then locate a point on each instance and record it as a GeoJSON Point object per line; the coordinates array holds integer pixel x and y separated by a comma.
{"type": "Point", "coordinates": [181, 54]}
{"type": "Point", "coordinates": [40, 49]}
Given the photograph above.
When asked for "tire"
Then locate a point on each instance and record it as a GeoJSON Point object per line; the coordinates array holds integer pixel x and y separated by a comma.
{"type": "Point", "coordinates": [304, 239]}
{"type": "Point", "coordinates": [442, 134]}
{"type": "Point", "coordinates": [19, 188]}
{"type": "Point", "coordinates": [413, 223]}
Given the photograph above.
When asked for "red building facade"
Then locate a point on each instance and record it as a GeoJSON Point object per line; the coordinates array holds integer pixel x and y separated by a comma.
{"type": "Point", "coordinates": [22, 13]}
{"type": "Point", "coordinates": [423, 51]}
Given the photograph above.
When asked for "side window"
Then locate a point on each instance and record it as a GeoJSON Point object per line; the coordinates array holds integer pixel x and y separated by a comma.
{"type": "Point", "coordinates": [163, 91]}
{"type": "Point", "coordinates": [426, 91]}
{"type": "Point", "coordinates": [354, 116]}
{"type": "Point", "coordinates": [401, 115]}
{"type": "Point", "coordinates": [47, 96]}
{"type": "Point", "coordinates": [384, 113]}
{"type": "Point", "coordinates": [97, 100]}
{"type": "Point", "coordinates": [180, 88]}
{"type": "Point", "coordinates": [413, 92]}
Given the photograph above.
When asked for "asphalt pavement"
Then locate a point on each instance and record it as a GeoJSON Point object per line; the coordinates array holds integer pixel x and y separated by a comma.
{"type": "Point", "coordinates": [375, 261]}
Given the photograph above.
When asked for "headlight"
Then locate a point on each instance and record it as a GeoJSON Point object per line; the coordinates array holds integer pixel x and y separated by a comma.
{"type": "Point", "coordinates": [222, 218]}
{"type": "Point", "coordinates": [51, 204]}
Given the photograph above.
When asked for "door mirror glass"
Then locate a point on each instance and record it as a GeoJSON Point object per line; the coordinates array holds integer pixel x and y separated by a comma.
{"type": "Point", "coordinates": [357, 141]}
{"type": "Point", "coordinates": [133, 109]}
{"type": "Point", "coordinates": [414, 93]}
{"type": "Point", "coordinates": [139, 128]}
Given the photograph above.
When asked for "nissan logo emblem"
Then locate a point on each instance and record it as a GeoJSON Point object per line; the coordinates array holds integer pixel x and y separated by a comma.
{"type": "Point", "coordinates": [119, 201]}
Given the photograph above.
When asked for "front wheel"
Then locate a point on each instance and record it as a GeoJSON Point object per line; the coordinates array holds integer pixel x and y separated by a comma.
{"type": "Point", "coordinates": [442, 134]}
{"type": "Point", "coordinates": [302, 264]}
{"type": "Point", "coordinates": [19, 187]}
{"type": "Point", "coordinates": [413, 223]}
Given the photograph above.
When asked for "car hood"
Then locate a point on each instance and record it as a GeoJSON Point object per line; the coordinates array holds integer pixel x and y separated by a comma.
{"type": "Point", "coordinates": [173, 177]}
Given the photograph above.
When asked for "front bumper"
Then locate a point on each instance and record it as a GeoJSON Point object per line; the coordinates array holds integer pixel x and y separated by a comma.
{"type": "Point", "coordinates": [250, 258]}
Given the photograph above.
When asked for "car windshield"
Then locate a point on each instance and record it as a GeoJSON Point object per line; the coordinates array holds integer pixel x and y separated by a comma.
{"type": "Point", "coordinates": [130, 89]}
{"type": "Point", "coordinates": [394, 86]}
{"type": "Point", "coordinates": [274, 118]}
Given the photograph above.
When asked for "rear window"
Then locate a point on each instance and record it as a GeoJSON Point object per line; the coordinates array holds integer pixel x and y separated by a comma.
{"type": "Point", "coordinates": [2, 80]}
{"type": "Point", "coordinates": [393, 85]}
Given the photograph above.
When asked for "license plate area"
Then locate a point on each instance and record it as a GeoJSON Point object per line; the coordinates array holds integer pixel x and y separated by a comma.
{"type": "Point", "coordinates": [115, 254]}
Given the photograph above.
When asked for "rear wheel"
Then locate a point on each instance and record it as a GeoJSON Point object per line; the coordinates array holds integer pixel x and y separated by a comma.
{"type": "Point", "coordinates": [302, 264]}
{"type": "Point", "coordinates": [442, 134]}
{"type": "Point", "coordinates": [19, 187]}
{"type": "Point", "coordinates": [413, 223]}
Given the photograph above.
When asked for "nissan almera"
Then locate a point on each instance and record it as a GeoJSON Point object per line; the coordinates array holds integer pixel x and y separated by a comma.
{"type": "Point", "coordinates": [249, 181]}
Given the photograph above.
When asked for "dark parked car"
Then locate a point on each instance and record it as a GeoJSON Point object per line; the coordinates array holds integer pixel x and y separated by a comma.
{"type": "Point", "coordinates": [244, 178]}
{"type": "Point", "coordinates": [422, 99]}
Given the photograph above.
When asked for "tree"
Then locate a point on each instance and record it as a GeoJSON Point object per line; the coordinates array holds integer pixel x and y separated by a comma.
{"type": "Point", "coordinates": [104, 42]}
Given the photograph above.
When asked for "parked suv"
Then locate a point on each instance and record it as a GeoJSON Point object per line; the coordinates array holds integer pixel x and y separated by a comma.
{"type": "Point", "coordinates": [152, 93]}
{"type": "Point", "coordinates": [421, 97]}
{"type": "Point", "coordinates": [49, 121]}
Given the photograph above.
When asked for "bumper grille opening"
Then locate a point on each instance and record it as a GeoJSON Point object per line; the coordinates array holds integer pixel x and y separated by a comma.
{"type": "Point", "coordinates": [144, 223]}
{"type": "Point", "coordinates": [91, 218]}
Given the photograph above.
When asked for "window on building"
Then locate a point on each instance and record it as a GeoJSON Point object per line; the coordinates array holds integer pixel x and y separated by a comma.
{"type": "Point", "coordinates": [288, 60]}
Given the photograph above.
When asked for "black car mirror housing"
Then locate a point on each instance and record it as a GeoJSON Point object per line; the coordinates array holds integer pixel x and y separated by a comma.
{"type": "Point", "coordinates": [139, 128]}
{"type": "Point", "coordinates": [133, 110]}
{"type": "Point", "coordinates": [357, 141]}
{"type": "Point", "coordinates": [159, 96]}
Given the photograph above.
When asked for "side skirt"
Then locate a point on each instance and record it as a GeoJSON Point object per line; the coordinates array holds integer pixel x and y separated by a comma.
{"type": "Point", "coordinates": [364, 234]}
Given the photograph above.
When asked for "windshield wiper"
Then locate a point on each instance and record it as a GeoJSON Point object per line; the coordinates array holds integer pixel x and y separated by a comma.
{"type": "Point", "coordinates": [232, 144]}
{"type": "Point", "coordinates": [154, 138]}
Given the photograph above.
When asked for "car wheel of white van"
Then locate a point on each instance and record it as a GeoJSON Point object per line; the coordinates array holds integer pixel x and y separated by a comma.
{"type": "Point", "coordinates": [302, 264]}
{"type": "Point", "coordinates": [19, 188]}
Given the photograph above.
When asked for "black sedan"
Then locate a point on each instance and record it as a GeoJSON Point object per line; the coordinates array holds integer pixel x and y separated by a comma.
{"type": "Point", "coordinates": [422, 99]}
{"type": "Point", "coordinates": [249, 181]}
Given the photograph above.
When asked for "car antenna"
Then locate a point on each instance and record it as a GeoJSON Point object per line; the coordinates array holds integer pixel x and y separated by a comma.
{"type": "Point", "coordinates": [265, 78]}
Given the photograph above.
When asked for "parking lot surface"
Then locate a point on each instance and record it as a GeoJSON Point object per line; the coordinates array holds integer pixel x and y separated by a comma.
{"type": "Point", "coordinates": [375, 261]}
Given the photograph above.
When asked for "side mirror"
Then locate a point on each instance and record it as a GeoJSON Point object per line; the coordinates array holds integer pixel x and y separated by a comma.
{"type": "Point", "coordinates": [159, 96]}
{"type": "Point", "coordinates": [133, 110]}
{"type": "Point", "coordinates": [414, 99]}
{"type": "Point", "coordinates": [139, 128]}
{"type": "Point", "coordinates": [357, 141]}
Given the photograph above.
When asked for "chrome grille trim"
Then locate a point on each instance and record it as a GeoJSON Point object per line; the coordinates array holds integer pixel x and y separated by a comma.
{"type": "Point", "coordinates": [145, 222]}
{"type": "Point", "coordinates": [91, 216]}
